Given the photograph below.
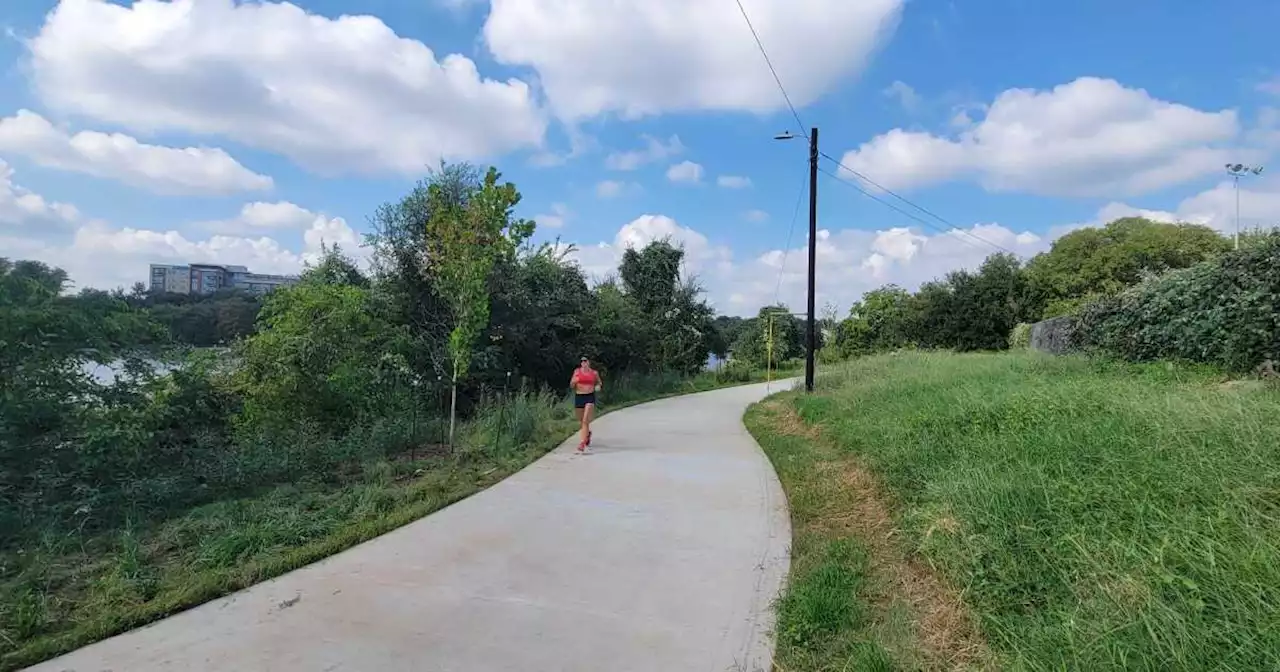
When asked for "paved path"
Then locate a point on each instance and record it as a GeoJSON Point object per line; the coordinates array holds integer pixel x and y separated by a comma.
{"type": "Point", "coordinates": [661, 551]}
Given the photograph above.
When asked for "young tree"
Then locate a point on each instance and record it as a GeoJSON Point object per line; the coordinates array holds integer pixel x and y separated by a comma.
{"type": "Point", "coordinates": [466, 235]}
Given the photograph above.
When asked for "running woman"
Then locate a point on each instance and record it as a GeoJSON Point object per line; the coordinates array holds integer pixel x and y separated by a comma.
{"type": "Point", "coordinates": [586, 382]}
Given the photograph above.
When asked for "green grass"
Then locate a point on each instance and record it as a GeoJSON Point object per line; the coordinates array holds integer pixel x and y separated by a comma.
{"type": "Point", "coordinates": [1096, 516]}
{"type": "Point", "coordinates": [66, 591]}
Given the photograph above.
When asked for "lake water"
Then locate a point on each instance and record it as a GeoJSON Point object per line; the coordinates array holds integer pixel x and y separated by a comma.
{"type": "Point", "coordinates": [105, 374]}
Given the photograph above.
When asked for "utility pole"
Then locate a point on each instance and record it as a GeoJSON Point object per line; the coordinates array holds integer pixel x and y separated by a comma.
{"type": "Point", "coordinates": [1236, 171]}
{"type": "Point", "coordinates": [812, 334]}
{"type": "Point", "coordinates": [813, 257]}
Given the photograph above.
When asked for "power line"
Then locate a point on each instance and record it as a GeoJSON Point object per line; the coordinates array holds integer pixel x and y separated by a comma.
{"type": "Point", "coordinates": [911, 203]}
{"type": "Point", "coordinates": [769, 63]}
{"type": "Point", "coordinates": [795, 214]}
{"type": "Point", "coordinates": [913, 216]}
{"type": "Point", "coordinates": [887, 190]}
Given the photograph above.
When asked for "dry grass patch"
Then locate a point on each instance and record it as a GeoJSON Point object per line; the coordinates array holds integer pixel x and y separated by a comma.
{"type": "Point", "coordinates": [908, 617]}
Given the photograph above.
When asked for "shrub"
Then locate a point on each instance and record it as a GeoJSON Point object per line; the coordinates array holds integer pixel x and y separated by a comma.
{"type": "Point", "coordinates": [735, 371]}
{"type": "Point", "coordinates": [1020, 337]}
{"type": "Point", "coordinates": [1220, 312]}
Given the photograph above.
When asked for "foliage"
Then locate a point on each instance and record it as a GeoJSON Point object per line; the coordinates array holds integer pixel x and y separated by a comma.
{"type": "Point", "coordinates": [880, 321]}
{"type": "Point", "coordinates": [1102, 261]}
{"type": "Point", "coordinates": [774, 335]}
{"type": "Point", "coordinates": [1020, 337]}
{"type": "Point", "coordinates": [968, 310]}
{"type": "Point", "coordinates": [1221, 312]}
{"type": "Point", "coordinates": [673, 324]}
{"type": "Point", "coordinates": [199, 320]}
{"type": "Point", "coordinates": [326, 354]}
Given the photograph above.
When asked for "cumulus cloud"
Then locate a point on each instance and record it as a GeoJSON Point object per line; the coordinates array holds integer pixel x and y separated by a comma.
{"type": "Point", "coordinates": [685, 172]}
{"type": "Point", "coordinates": [643, 57]}
{"type": "Point", "coordinates": [1089, 137]}
{"type": "Point", "coordinates": [756, 216]}
{"type": "Point", "coordinates": [96, 254]}
{"type": "Point", "coordinates": [105, 257]}
{"type": "Point", "coordinates": [334, 95]}
{"type": "Point", "coordinates": [554, 219]}
{"type": "Point", "coordinates": [904, 95]}
{"type": "Point", "coordinates": [654, 150]}
{"type": "Point", "coordinates": [850, 261]}
{"type": "Point", "coordinates": [258, 218]}
{"type": "Point", "coordinates": [615, 188]}
{"type": "Point", "coordinates": [116, 156]}
{"type": "Point", "coordinates": [733, 181]}
{"type": "Point", "coordinates": [23, 210]}
{"type": "Point", "coordinates": [1216, 206]}
{"type": "Point", "coordinates": [601, 260]}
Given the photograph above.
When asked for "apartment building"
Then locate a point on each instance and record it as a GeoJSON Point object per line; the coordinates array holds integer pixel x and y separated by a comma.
{"type": "Point", "coordinates": [209, 278]}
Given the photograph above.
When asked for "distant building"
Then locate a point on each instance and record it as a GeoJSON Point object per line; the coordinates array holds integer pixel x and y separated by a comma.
{"type": "Point", "coordinates": [209, 278]}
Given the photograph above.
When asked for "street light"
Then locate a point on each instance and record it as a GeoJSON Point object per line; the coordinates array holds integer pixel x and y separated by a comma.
{"type": "Point", "coordinates": [811, 335]}
{"type": "Point", "coordinates": [1237, 171]}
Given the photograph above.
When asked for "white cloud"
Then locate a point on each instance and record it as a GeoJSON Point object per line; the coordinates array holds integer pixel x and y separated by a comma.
{"type": "Point", "coordinates": [654, 150]}
{"type": "Point", "coordinates": [615, 188]}
{"type": "Point", "coordinates": [166, 170]}
{"type": "Point", "coordinates": [1216, 207]}
{"type": "Point", "coordinates": [259, 217]}
{"type": "Point", "coordinates": [639, 57]}
{"type": "Point", "coordinates": [756, 216]}
{"type": "Point", "coordinates": [23, 210]}
{"type": "Point", "coordinates": [904, 94]}
{"type": "Point", "coordinates": [335, 95]}
{"type": "Point", "coordinates": [686, 172]}
{"type": "Point", "coordinates": [1270, 86]}
{"type": "Point", "coordinates": [1090, 137]}
{"type": "Point", "coordinates": [850, 262]}
{"type": "Point", "coordinates": [554, 219]}
{"type": "Point", "coordinates": [601, 259]}
{"type": "Point", "coordinates": [105, 257]}
{"type": "Point", "coordinates": [733, 181]}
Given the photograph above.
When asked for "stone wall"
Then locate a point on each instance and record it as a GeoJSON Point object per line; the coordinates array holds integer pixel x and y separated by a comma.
{"type": "Point", "coordinates": [1054, 335]}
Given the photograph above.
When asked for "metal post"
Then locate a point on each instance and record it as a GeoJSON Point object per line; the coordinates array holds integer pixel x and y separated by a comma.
{"type": "Point", "coordinates": [813, 256]}
{"type": "Point", "coordinates": [1237, 181]}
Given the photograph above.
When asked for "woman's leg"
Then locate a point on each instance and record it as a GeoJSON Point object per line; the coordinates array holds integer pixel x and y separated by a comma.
{"type": "Point", "coordinates": [586, 423]}
{"type": "Point", "coordinates": [581, 412]}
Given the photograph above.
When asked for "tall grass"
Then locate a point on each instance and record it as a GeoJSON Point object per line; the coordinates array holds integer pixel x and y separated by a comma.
{"type": "Point", "coordinates": [1097, 516]}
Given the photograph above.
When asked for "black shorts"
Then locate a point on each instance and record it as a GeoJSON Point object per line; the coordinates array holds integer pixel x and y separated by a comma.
{"type": "Point", "coordinates": [581, 400]}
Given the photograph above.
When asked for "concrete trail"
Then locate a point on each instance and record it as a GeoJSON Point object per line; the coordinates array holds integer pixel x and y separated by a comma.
{"type": "Point", "coordinates": [663, 550]}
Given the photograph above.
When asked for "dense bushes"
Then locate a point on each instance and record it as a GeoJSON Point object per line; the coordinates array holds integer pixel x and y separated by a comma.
{"type": "Point", "coordinates": [979, 310]}
{"type": "Point", "coordinates": [1020, 337]}
{"type": "Point", "coordinates": [1221, 312]}
{"type": "Point", "coordinates": [967, 310]}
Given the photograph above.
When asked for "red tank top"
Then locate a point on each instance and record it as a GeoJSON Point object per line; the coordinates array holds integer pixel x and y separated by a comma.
{"type": "Point", "coordinates": [585, 377]}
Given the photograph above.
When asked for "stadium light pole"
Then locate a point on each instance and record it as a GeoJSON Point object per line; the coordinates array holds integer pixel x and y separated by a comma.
{"type": "Point", "coordinates": [811, 333]}
{"type": "Point", "coordinates": [1237, 171]}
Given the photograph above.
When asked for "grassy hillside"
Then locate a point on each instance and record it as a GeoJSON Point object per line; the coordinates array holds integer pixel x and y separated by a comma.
{"type": "Point", "coordinates": [1080, 514]}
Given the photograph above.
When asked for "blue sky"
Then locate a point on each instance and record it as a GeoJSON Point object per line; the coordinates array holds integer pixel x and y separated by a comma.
{"type": "Point", "coordinates": [246, 133]}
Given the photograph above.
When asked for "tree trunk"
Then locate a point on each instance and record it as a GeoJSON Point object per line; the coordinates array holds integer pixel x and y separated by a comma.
{"type": "Point", "coordinates": [453, 406]}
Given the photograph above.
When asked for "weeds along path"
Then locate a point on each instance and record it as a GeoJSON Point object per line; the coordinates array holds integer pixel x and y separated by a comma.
{"type": "Point", "coordinates": [663, 550]}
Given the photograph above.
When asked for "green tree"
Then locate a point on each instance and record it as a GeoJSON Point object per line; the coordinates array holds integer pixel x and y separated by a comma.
{"type": "Point", "coordinates": [879, 322]}
{"type": "Point", "coordinates": [772, 337]}
{"type": "Point", "coordinates": [316, 356]}
{"type": "Point", "coordinates": [465, 238]}
{"type": "Point", "coordinates": [1093, 262]}
{"type": "Point", "coordinates": [334, 268]}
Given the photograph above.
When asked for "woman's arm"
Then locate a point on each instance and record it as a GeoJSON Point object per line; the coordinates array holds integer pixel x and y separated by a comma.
{"type": "Point", "coordinates": [599, 381]}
